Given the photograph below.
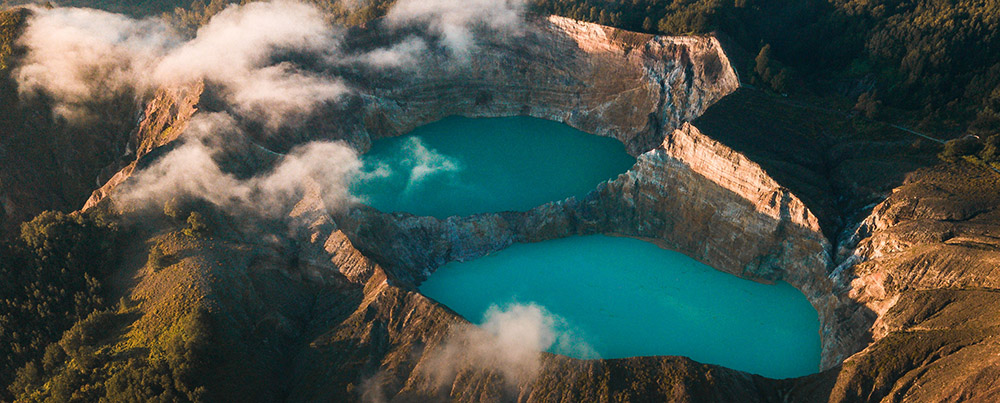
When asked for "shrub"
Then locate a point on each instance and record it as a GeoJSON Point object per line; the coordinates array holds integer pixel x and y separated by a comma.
{"type": "Point", "coordinates": [869, 105]}
{"type": "Point", "coordinates": [158, 258]}
{"type": "Point", "coordinates": [991, 149]}
{"type": "Point", "coordinates": [197, 226]}
{"type": "Point", "coordinates": [958, 148]}
{"type": "Point", "coordinates": [53, 358]}
{"type": "Point", "coordinates": [173, 208]}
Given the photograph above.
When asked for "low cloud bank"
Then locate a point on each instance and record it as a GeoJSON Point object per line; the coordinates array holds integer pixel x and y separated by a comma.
{"type": "Point", "coordinates": [191, 170]}
{"type": "Point", "coordinates": [78, 56]}
{"type": "Point", "coordinates": [454, 20]}
{"type": "Point", "coordinates": [235, 50]}
{"type": "Point", "coordinates": [508, 341]}
{"type": "Point", "coordinates": [81, 56]}
{"type": "Point", "coordinates": [82, 59]}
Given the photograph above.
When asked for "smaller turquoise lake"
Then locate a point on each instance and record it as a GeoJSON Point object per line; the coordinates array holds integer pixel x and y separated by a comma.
{"type": "Point", "coordinates": [462, 166]}
{"type": "Point", "coordinates": [625, 297]}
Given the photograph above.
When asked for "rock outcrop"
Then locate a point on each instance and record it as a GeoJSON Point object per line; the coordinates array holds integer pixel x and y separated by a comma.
{"type": "Point", "coordinates": [604, 81]}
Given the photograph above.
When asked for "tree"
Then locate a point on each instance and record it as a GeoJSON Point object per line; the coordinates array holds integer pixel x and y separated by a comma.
{"type": "Point", "coordinates": [958, 148]}
{"type": "Point", "coordinates": [157, 257]}
{"type": "Point", "coordinates": [52, 278]}
{"type": "Point", "coordinates": [763, 63]}
{"type": "Point", "coordinates": [196, 225]}
{"type": "Point", "coordinates": [173, 208]}
{"type": "Point", "coordinates": [647, 24]}
{"type": "Point", "coordinates": [991, 149]}
{"type": "Point", "coordinates": [869, 105]}
{"type": "Point", "coordinates": [781, 80]}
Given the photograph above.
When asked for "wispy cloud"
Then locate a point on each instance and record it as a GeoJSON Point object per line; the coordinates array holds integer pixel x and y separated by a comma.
{"type": "Point", "coordinates": [270, 63]}
{"type": "Point", "coordinates": [424, 162]}
{"type": "Point", "coordinates": [235, 49]}
{"type": "Point", "coordinates": [78, 56]}
{"type": "Point", "coordinates": [455, 20]}
{"type": "Point", "coordinates": [404, 54]}
{"type": "Point", "coordinates": [508, 341]}
{"type": "Point", "coordinates": [191, 170]}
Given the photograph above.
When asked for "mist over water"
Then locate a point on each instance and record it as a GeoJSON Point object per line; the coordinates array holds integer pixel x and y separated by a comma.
{"type": "Point", "coordinates": [623, 297]}
{"type": "Point", "coordinates": [462, 166]}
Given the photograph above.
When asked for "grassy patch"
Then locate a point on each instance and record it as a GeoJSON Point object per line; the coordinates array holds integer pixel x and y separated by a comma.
{"type": "Point", "coordinates": [11, 22]}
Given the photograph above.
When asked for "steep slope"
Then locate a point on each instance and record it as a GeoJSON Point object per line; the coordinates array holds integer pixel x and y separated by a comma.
{"type": "Point", "coordinates": [50, 163]}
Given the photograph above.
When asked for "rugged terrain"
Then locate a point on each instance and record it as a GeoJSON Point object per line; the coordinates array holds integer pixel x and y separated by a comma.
{"type": "Point", "coordinates": [896, 250]}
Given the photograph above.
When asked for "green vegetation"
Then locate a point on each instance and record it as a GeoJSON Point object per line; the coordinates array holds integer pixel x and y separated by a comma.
{"type": "Point", "coordinates": [958, 148]}
{"type": "Point", "coordinates": [936, 62]}
{"type": "Point", "coordinates": [137, 8]}
{"type": "Point", "coordinates": [350, 13]}
{"type": "Point", "coordinates": [85, 364]}
{"type": "Point", "coordinates": [61, 339]}
{"type": "Point", "coordinates": [10, 24]}
{"type": "Point", "coordinates": [973, 149]}
{"type": "Point", "coordinates": [769, 72]}
{"type": "Point", "coordinates": [174, 208]}
{"type": "Point", "coordinates": [197, 226]}
{"type": "Point", "coordinates": [354, 13]}
{"type": "Point", "coordinates": [158, 258]}
{"type": "Point", "coordinates": [52, 277]}
{"type": "Point", "coordinates": [197, 14]}
{"type": "Point", "coordinates": [192, 213]}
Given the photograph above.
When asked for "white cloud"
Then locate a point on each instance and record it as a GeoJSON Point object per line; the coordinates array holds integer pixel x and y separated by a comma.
{"type": "Point", "coordinates": [82, 55]}
{"type": "Point", "coordinates": [530, 327]}
{"type": "Point", "coordinates": [508, 341]}
{"type": "Point", "coordinates": [235, 49]}
{"type": "Point", "coordinates": [405, 54]}
{"type": "Point", "coordinates": [424, 162]}
{"type": "Point", "coordinates": [81, 58]}
{"type": "Point", "coordinates": [191, 171]}
{"type": "Point", "coordinates": [454, 19]}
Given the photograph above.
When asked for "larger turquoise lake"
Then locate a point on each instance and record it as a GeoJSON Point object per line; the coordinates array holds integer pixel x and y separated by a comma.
{"type": "Point", "coordinates": [625, 297]}
{"type": "Point", "coordinates": [462, 166]}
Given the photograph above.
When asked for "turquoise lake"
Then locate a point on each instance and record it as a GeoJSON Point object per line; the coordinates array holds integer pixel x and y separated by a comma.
{"type": "Point", "coordinates": [615, 297]}
{"type": "Point", "coordinates": [462, 166]}
{"type": "Point", "coordinates": [625, 297]}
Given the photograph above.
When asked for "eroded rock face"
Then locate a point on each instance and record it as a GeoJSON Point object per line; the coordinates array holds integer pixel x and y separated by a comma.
{"type": "Point", "coordinates": [604, 81]}
{"type": "Point", "coordinates": [166, 116]}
